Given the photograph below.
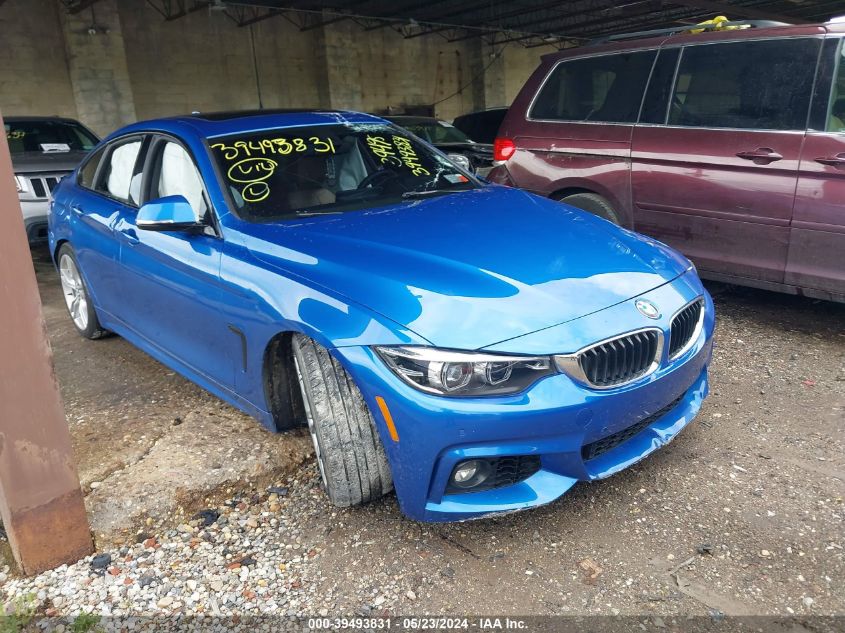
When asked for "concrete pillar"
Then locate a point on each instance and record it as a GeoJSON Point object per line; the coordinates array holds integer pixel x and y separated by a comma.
{"type": "Point", "coordinates": [487, 66]}
{"type": "Point", "coordinates": [97, 66]}
{"type": "Point", "coordinates": [41, 501]}
{"type": "Point", "coordinates": [339, 82]}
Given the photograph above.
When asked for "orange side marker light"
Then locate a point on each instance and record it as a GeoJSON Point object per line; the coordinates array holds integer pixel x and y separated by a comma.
{"type": "Point", "coordinates": [382, 405]}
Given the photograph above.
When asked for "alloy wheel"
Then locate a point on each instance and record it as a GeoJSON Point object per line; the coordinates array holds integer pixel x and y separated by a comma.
{"type": "Point", "coordinates": [309, 415]}
{"type": "Point", "coordinates": [74, 291]}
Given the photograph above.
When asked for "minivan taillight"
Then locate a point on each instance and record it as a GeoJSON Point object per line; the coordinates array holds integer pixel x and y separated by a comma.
{"type": "Point", "coordinates": [503, 149]}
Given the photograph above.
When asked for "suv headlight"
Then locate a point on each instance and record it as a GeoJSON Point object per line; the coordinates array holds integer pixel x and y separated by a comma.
{"type": "Point", "coordinates": [20, 184]}
{"type": "Point", "coordinates": [455, 373]}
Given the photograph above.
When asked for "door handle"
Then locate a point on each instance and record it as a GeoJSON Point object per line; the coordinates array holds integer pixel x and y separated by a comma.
{"type": "Point", "coordinates": [76, 210]}
{"type": "Point", "coordinates": [761, 155]}
{"type": "Point", "coordinates": [833, 161]}
{"type": "Point", "coordinates": [130, 236]}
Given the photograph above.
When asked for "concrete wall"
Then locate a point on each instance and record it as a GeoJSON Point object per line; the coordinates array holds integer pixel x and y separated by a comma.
{"type": "Point", "coordinates": [97, 67]}
{"type": "Point", "coordinates": [204, 62]}
{"type": "Point", "coordinates": [34, 77]}
{"type": "Point", "coordinates": [519, 63]}
{"type": "Point", "coordinates": [138, 66]}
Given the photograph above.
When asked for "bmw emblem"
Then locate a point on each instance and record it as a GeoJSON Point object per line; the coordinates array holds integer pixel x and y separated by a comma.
{"type": "Point", "coordinates": [647, 308]}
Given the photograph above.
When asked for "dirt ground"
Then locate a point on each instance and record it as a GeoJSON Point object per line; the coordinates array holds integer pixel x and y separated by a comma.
{"type": "Point", "coordinates": [741, 514]}
{"type": "Point", "coordinates": [148, 443]}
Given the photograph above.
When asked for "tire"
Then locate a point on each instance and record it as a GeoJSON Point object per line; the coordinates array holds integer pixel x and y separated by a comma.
{"type": "Point", "coordinates": [349, 452]}
{"type": "Point", "coordinates": [594, 204]}
{"type": "Point", "coordinates": [78, 301]}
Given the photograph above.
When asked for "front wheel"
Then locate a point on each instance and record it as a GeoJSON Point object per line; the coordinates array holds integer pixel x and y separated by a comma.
{"type": "Point", "coordinates": [592, 203]}
{"type": "Point", "coordinates": [77, 299]}
{"type": "Point", "coordinates": [349, 452]}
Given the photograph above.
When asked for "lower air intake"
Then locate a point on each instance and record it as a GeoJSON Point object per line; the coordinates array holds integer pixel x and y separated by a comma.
{"type": "Point", "coordinates": [605, 444]}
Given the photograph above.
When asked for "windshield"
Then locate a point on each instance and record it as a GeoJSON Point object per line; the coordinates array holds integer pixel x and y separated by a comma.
{"type": "Point", "coordinates": [299, 171]}
{"type": "Point", "coordinates": [436, 132]}
{"type": "Point", "coordinates": [48, 136]}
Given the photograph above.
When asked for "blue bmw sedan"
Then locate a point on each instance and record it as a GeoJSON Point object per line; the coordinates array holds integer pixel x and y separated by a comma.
{"type": "Point", "coordinates": [478, 348]}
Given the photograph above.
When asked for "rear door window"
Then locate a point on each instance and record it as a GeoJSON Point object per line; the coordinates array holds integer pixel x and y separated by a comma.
{"type": "Point", "coordinates": [601, 89]}
{"type": "Point", "coordinates": [656, 102]}
{"type": "Point", "coordinates": [753, 85]}
{"type": "Point", "coordinates": [836, 116]}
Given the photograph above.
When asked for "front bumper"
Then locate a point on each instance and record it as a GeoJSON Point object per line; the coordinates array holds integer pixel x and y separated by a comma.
{"type": "Point", "coordinates": [35, 219]}
{"type": "Point", "coordinates": [554, 419]}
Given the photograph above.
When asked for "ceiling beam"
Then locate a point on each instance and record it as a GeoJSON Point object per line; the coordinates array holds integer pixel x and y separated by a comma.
{"type": "Point", "coordinates": [463, 8]}
{"type": "Point", "coordinates": [495, 21]}
{"type": "Point", "coordinates": [733, 11]}
{"type": "Point", "coordinates": [622, 28]}
{"type": "Point", "coordinates": [551, 19]}
{"type": "Point", "coordinates": [79, 5]}
{"type": "Point", "coordinates": [321, 23]}
{"type": "Point", "coordinates": [257, 16]}
{"type": "Point", "coordinates": [197, 6]}
{"type": "Point", "coordinates": [577, 29]}
{"type": "Point", "coordinates": [392, 15]}
{"type": "Point", "coordinates": [825, 10]}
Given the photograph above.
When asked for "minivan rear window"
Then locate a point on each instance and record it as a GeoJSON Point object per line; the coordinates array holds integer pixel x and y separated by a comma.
{"type": "Point", "coordinates": [754, 85]}
{"type": "Point", "coordinates": [603, 89]}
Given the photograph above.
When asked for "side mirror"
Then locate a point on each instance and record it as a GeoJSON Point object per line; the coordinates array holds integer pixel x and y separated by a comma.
{"type": "Point", "coordinates": [171, 213]}
{"type": "Point", "coordinates": [461, 161]}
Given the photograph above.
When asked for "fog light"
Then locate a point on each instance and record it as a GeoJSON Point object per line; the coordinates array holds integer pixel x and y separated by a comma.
{"type": "Point", "coordinates": [471, 473]}
{"type": "Point", "coordinates": [465, 471]}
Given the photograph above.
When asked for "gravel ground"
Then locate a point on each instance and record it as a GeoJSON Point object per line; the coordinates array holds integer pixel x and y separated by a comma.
{"type": "Point", "coordinates": [741, 515]}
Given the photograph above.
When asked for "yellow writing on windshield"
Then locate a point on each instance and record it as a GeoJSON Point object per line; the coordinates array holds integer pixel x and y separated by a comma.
{"type": "Point", "coordinates": [269, 146]}
{"type": "Point", "coordinates": [409, 156]}
{"type": "Point", "coordinates": [252, 173]}
{"type": "Point", "coordinates": [384, 150]}
{"type": "Point", "coordinates": [398, 152]}
{"type": "Point", "coordinates": [14, 135]}
{"type": "Point", "coordinates": [251, 166]}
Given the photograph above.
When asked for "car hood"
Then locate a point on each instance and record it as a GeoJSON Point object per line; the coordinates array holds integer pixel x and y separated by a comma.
{"type": "Point", "coordinates": [31, 162]}
{"type": "Point", "coordinates": [470, 269]}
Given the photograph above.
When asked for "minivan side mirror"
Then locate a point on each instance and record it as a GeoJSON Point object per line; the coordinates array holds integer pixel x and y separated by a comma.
{"type": "Point", "coordinates": [171, 213]}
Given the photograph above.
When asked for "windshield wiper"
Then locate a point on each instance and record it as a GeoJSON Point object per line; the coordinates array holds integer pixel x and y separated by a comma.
{"type": "Point", "coordinates": [408, 195]}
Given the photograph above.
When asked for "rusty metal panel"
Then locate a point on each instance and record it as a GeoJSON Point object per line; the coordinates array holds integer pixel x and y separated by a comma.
{"type": "Point", "coordinates": [41, 502]}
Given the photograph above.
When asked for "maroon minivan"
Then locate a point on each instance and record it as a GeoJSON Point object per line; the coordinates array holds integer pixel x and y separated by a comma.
{"type": "Point", "coordinates": [729, 146]}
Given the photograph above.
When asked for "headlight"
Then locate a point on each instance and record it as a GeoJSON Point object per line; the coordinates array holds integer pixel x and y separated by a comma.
{"type": "Point", "coordinates": [453, 373]}
{"type": "Point", "coordinates": [20, 184]}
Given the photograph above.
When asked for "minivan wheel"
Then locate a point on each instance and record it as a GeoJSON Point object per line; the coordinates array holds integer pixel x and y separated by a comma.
{"type": "Point", "coordinates": [77, 299]}
{"type": "Point", "coordinates": [349, 452]}
{"type": "Point", "coordinates": [594, 204]}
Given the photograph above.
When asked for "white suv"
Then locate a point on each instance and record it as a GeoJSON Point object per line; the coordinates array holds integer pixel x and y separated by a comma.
{"type": "Point", "coordinates": [44, 150]}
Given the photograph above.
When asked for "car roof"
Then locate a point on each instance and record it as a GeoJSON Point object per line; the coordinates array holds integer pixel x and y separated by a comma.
{"type": "Point", "coordinates": [214, 124]}
{"type": "Point", "coordinates": [785, 30]}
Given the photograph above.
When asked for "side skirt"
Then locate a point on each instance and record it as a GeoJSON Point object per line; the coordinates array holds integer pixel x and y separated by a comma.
{"type": "Point", "coordinates": [120, 328]}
